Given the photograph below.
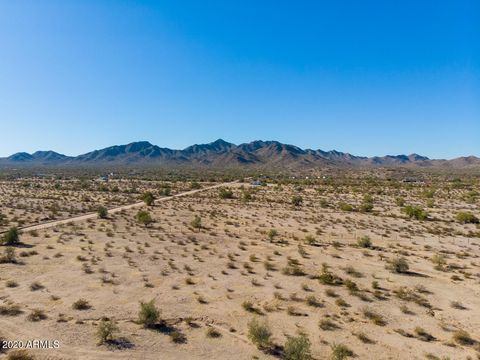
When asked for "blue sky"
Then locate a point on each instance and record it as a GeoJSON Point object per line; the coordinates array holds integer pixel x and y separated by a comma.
{"type": "Point", "coordinates": [366, 77]}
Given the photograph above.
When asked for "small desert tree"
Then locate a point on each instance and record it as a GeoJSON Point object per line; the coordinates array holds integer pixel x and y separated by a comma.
{"type": "Point", "coordinates": [102, 212]}
{"type": "Point", "coordinates": [11, 237]}
{"type": "Point", "coordinates": [144, 217]}
{"type": "Point", "coordinates": [148, 198]}
{"type": "Point", "coordinates": [149, 314]}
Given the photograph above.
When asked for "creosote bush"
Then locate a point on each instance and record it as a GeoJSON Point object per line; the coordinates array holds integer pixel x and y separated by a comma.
{"type": "Point", "coordinates": [398, 265]}
{"type": "Point", "coordinates": [297, 348]}
{"type": "Point", "coordinates": [466, 218]}
{"type": "Point", "coordinates": [144, 217]}
{"type": "Point", "coordinates": [148, 198]}
{"type": "Point", "coordinates": [102, 212]}
{"type": "Point", "coordinates": [364, 242]}
{"type": "Point", "coordinates": [259, 333]}
{"type": "Point", "coordinates": [106, 330]}
{"type": "Point", "coordinates": [11, 237]}
{"type": "Point", "coordinates": [149, 314]}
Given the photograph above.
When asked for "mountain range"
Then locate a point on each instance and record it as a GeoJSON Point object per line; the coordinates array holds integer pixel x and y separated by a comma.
{"type": "Point", "coordinates": [220, 154]}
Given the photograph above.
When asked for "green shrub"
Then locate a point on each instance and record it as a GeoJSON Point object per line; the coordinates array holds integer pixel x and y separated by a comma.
{"type": "Point", "coordinates": [148, 198]}
{"type": "Point", "coordinates": [345, 207]}
{"type": "Point", "coordinates": [102, 212]}
{"type": "Point", "coordinates": [340, 352]}
{"type": "Point", "coordinates": [259, 333]}
{"type": "Point", "coordinates": [196, 222]}
{"type": "Point", "coordinates": [364, 242]}
{"type": "Point", "coordinates": [398, 265]}
{"type": "Point", "coordinates": [11, 237]}
{"type": "Point", "coordinates": [297, 348]}
{"type": "Point", "coordinates": [144, 217]}
{"type": "Point", "coordinates": [106, 330]}
{"type": "Point", "coordinates": [225, 194]}
{"type": "Point", "coordinates": [466, 218]}
{"type": "Point", "coordinates": [148, 314]}
{"type": "Point", "coordinates": [272, 233]}
{"type": "Point", "coordinates": [297, 200]}
{"type": "Point", "coordinates": [415, 212]}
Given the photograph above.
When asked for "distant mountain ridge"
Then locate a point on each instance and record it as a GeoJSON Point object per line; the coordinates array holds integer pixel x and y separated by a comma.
{"type": "Point", "coordinates": [221, 153]}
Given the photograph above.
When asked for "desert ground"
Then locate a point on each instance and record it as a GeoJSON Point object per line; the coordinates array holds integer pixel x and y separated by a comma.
{"type": "Point", "coordinates": [291, 268]}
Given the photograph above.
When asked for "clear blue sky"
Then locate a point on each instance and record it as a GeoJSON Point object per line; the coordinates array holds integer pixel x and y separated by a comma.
{"type": "Point", "coordinates": [366, 77]}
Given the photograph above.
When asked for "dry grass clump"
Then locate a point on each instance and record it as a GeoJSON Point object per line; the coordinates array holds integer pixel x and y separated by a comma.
{"type": "Point", "coordinates": [81, 304]}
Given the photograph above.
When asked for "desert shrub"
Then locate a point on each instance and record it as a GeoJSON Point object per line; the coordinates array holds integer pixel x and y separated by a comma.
{"type": "Point", "coordinates": [81, 304]}
{"type": "Point", "coordinates": [466, 218]}
{"type": "Point", "coordinates": [177, 337]}
{"type": "Point", "coordinates": [415, 212]}
{"type": "Point", "coordinates": [376, 318]}
{"type": "Point", "coordinates": [327, 325]}
{"type": "Point", "coordinates": [297, 200]}
{"type": "Point", "coordinates": [196, 222]}
{"type": "Point", "coordinates": [11, 237]}
{"type": "Point", "coordinates": [144, 217]}
{"type": "Point", "coordinates": [165, 191]}
{"type": "Point", "coordinates": [310, 240]}
{"type": "Point", "coordinates": [225, 194]}
{"type": "Point", "coordinates": [36, 315]}
{"type": "Point", "coordinates": [195, 185]}
{"type": "Point", "coordinates": [213, 333]}
{"type": "Point", "coordinates": [313, 301]}
{"type": "Point", "coordinates": [423, 335]}
{"type": "Point", "coordinates": [345, 207]}
{"type": "Point", "coordinates": [340, 352]}
{"type": "Point", "coordinates": [462, 337]}
{"type": "Point", "coordinates": [148, 314]}
{"type": "Point", "coordinates": [36, 286]}
{"type": "Point", "coordinates": [148, 198]}
{"type": "Point", "coordinates": [272, 233]}
{"type": "Point", "coordinates": [106, 330]}
{"type": "Point", "coordinates": [20, 355]}
{"type": "Point", "coordinates": [8, 256]}
{"type": "Point", "coordinates": [259, 333]}
{"type": "Point", "coordinates": [439, 261]}
{"type": "Point", "coordinates": [398, 265]}
{"type": "Point", "coordinates": [365, 242]}
{"type": "Point", "coordinates": [297, 348]}
{"type": "Point", "coordinates": [326, 277]}
{"type": "Point", "coordinates": [102, 212]}
{"type": "Point", "coordinates": [367, 204]}
{"type": "Point", "coordinates": [10, 310]}
{"type": "Point", "coordinates": [400, 201]}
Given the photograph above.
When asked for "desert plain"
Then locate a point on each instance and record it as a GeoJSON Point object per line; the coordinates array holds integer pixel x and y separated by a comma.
{"type": "Point", "coordinates": [293, 267]}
